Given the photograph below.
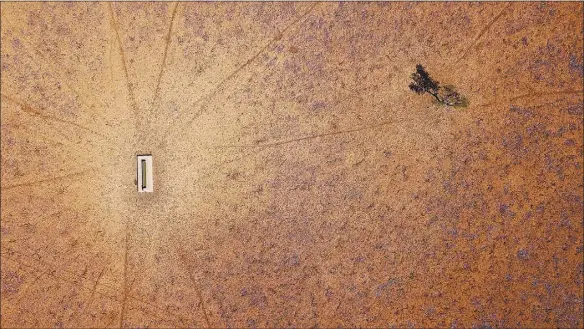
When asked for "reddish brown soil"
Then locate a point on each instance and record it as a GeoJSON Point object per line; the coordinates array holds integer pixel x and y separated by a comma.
{"type": "Point", "coordinates": [298, 181]}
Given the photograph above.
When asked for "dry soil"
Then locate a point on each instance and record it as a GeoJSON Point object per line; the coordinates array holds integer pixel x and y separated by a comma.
{"type": "Point", "coordinates": [298, 181]}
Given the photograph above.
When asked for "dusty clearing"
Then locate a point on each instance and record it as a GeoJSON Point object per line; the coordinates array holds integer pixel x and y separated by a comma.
{"type": "Point", "coordinates": [299, 182]}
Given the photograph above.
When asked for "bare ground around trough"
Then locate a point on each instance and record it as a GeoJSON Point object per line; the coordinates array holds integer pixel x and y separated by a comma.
{"type": "Point", "coordinates": [298, 182]}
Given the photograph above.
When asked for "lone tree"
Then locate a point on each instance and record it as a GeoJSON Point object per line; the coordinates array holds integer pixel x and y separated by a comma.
{"type": "Point", "coordinates": [446, 95]}
{"type": "Point", "coordinates": [423, 83]}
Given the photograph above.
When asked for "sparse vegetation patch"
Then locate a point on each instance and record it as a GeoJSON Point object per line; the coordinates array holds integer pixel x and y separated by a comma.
{"type": "Point", "coordinates": [446, 95]}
